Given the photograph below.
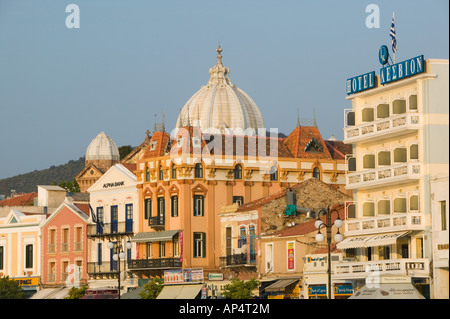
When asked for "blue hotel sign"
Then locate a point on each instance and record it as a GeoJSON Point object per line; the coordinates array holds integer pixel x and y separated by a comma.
{"type": "Point", "coordinates": [361, 82]}
{"type": "Point", "coordinates": [401, 70]}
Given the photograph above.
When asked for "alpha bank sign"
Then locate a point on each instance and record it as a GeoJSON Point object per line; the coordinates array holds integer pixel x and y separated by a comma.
{"type": "Point", "coordinates": [388, 74]}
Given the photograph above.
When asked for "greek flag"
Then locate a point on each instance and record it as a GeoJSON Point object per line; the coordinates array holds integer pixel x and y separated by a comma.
{"type": "Point", "coordinates": [392, 33]}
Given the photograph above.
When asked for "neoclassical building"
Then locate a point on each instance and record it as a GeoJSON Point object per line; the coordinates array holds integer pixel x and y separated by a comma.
{"type": "Point", "coordinates": [217, 155]}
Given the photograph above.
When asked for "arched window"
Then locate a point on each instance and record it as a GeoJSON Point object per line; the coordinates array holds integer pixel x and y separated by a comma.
{"type": "Point", "coordinates": [174, 171]}
{"type": "Point", "coordinates": [161, 174]}
{"type": "Point", "coordinates": [198, 171]}
{"type": "Point", "coordinates": [316, 173]}
{"type": "Point", "coordinates": [238, 172]}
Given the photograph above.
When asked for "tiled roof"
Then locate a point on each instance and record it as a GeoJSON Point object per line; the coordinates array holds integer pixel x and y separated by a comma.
{"type": "Point", "coordinates": [338, 149]}
{"type": "Point", "coordinates": [160, 141]}
{"type": "Point", "coordinates": [23, 200]}
{"type": "Point", "coordinates": [84, 208]}
{"type": "Point", "coordinates": [300, 139]}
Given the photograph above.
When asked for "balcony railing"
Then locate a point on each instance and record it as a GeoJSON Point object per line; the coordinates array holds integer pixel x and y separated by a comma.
{"type": "Point", "coordinates": [238, 259]}
{"type": "Point", "coordinates": [382, 224]}
{"type": "Point", "coordinates": [393, 266]}
{"type": "Point", "coordinates": [105, 229]}
{"type": "Point", "coordinates": [391, 174]}
{"type": "Point", "coordinates": [154, 263]}
{"type": "Point", "coordinates": [393, 125]}
{"type": "Point", "coordinates": [156, 221]}
{"type": "Point", "coordinates": [105, 267]}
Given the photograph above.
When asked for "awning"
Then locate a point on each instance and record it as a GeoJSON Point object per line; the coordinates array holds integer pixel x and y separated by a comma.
{"type": "Point", "coordinates": [371, 240]}
{"type": "Point", "coordinates": [147, 237]}
{"type": "Point", "coordinates": [388, 291]}
{"type": "Point", "coordinates": [180, 292]}
{"type": "Point", "coordinates": [281, 284]}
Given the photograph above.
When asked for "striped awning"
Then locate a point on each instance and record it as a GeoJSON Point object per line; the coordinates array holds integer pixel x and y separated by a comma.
{"type": "Point", "coordinates": [371, 240]}
{"type": "Point", "coordinates": [146, 237]}
{"type": "Point", "coordinates": [281, 284]}
{"type": "Point", "coordinates": [180, 292]}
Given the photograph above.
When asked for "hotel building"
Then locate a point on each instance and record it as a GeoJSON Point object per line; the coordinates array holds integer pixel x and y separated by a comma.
{"type": "Point", "coordinates": [398, 221]}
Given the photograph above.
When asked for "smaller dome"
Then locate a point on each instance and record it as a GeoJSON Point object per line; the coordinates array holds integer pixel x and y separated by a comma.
{"type": "Point", "coordinates": [102, 148]}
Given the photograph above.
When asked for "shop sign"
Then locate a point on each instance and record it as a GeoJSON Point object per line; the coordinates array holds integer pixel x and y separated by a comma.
{"type": "Point", "coordinates": [180, 276]}
{"type": "Point", "coordinates": [317, 290]}
{"type": "Point", "coordinates": [27, 281]}
{"type": "Point", "coordinates": [291, 259]}
{"type": "Point", "coordinates": [193, 275]}
{"type": "Point", "coordinates": [312, 259]}
{"type": "Point", "coordinates": [215, 276]}
{"type": "Point", "coordinates": [361, 83]}
{"type": "Point", "coordinates": [401, 70]}
{"type": "Point", "coordinates": [343, 290]}
{"type": "Point", "coordinates": [173, 276]}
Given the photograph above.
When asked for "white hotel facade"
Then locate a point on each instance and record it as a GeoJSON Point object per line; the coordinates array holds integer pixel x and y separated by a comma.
{"type": "Point", "coordinates": [398, 223]}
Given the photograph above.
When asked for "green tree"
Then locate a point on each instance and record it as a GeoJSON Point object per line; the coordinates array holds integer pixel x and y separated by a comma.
{"type": "Point", "coordinates": [10, 289]}
{"type": "Point", "coordinates": [76, 293]}
{"type": "Point", "coordinates": [239, 289]}
{"type": "Point", "coordinates": [152, 288]}
{"type": "Point", "coordinates": [71, 187]}
{"type": "Point", "coordinates": [124, 151]}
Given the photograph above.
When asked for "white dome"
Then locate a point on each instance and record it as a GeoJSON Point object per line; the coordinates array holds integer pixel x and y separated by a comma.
{"type": "Point", "coordinates": [102, 148]}
{"type": "Point", "coordinates": [221, 106]}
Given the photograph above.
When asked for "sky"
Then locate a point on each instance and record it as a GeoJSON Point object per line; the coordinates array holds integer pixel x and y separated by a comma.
{"type": "Point", "coordinates": [60, 87]}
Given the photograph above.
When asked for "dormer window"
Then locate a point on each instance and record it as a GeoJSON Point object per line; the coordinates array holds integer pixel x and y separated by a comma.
{"type": "Point", "coordinates": [314, 146]}
{"type": "Point", "coordinates": [153, 145]}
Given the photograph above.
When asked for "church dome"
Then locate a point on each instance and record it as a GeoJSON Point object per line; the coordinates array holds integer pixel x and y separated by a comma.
{"type": "Point", "coordinates": [220, 106]}
{"type": "Point", "coordinates": [102, 148]}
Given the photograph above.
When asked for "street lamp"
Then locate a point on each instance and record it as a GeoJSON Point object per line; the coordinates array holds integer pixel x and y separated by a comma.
{"type": "Point", "coordinates": [118, 254]}
{"type": "Point", "coordinates": [320, 237]}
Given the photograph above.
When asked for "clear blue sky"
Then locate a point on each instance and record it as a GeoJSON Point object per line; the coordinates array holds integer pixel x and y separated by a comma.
{"type": "Point", "coordinates": [60, 87]}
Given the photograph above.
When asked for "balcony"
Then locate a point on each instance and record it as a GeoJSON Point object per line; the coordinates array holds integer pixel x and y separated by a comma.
{"type": "Point", "coordinates": [154, 263]}
{"type": "Point", "coordinates": [406, 266]}
{"type": "Point", "coordinates": [392, 126]}
{"type": "Point", "coordinates": [157, 222]}
{"type": "Point", "coordinates": [390, 223]}
{"type": "Point", "coordinates": [105, 269]}
{"type": "Point", "coordinates": [110, 229]}
{"type": "Point", "coordinates": [392, 175]}
{"type": "Point", "coordinates": [238, 260]}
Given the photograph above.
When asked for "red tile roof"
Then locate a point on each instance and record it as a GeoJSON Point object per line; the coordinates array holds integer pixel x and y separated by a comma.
{"type": "Point", "coordinates": [23, 200]}
{"type": "Point", "coordinates": [84, 208]}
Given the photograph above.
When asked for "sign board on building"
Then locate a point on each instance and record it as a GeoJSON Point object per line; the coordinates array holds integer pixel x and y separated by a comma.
{"type": "Point", "coordinates": [27, 281]}
{"type": "Point", "coordinates": [291, 255]}
{"type": "Point", "coordinates": [361, 83]}
{"type": "Point", "coordinates": [215, 276]}
{"type": "Point", "coordinates": [401, 70]}
{"type": "Point", "coordinates": [343, 290]}
{"type": "Point", "coordinates": [180, 276]}
{"type": "Point", "coordinates": [319, 290]}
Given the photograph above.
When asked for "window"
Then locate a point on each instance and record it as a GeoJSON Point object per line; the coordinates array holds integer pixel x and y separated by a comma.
{"type": "Point", "coordinates": [199, 245]}
{"type": "Point", "coordinates": [174, 172]}
{"type": "Point", "coordinates": [52, 241]}
{"type": "Point", "coordinates": [369, 209]}
{"type": "Point", "coordinates": [443, 206]}
{"type": "Point", "coordinates": [238, 199]}
{"type": "Point", "coordinates": [2, 256]}
{"type": "Point", "coordinates": [149, 250]}
{"type": "Point", "coordinates": [413, 102]}
{"type": "Point", "coordinates": [198, 205]}
{"type": "Point", "coordinates": [414, 202]}
{"type": "Point", "coordinates": [175, 245]}
{"type": "Point", "coordinates": [352, 164]}
{"type": "Point", "coordinates": [160, 173]}
{"type": "Point", "coordinates": [99, 254]}
{"type": "Point", "coordinates": [147, 174]}
{"type": "Point", "coordinates": [242, 237]}
{"type": "Point", "coordinates": [414, 152]}
{"type": "Point", "coordinates": [148, 208]}
{"type": "Point", "coordinates": [351, 211]}
{"type": "Point", "coordinates": [316, 173]}
{"type": "Point", "coordinates": [114, 218]}
{"type": "Point", "coordinates": [65, 240]}
{"type": "Point", "coordinates": [174, 206]}
{"type": "Point", "coordinates": [29, 256]}
{"type": "Point", "coordinates": [78, 239]}
{"type": "Point", "coordinates": [198, 171]}
{"type": "Point", "coordinates": [350, 118]}
{"type": "Point", "coordinates": [384, 252]}
{"type": "Point", "coordinates": [382, 111]}
{"type": "Point", "coordinates": [399, 107]}
{"type": "Point", "coordinates": [384, 207]}
{"type": "Point", "coordinates": [161, 208]}
{"type": "Point", "coordinates": [238, 172]}
{"type": "Point", "coordinates": [100, 219]}
{"type": "Point", "coordinates": [384, 158]}
{"type": "Point", "coordinates": [228, 241]}
{"type": "Point", "coordinates": [369, 253]}
{"type": "Point", "coordinates": [369, 161]}
{"type": "Point", "coordinates": [129, 218]}
{"type": "Point", "coordinates": [400, 155]}
{"type": "Point", "coordinates": [367, 114]}
{"type": "Point", "coordinates": [274, 174]}
{"type": "Point", "coordinates": [162, 249]}
{"type": "Point", "coordinates": [405, 251]}
{"type": "Point", "coordinates": [400, 205]}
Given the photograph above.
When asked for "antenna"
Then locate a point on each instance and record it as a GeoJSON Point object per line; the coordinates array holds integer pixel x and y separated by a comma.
{"type": "Point", "coordinates": [298, 117]}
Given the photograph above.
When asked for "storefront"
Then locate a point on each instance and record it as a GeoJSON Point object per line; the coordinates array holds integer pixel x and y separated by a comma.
{"type": "Point", "coordinates": [29, 284]}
